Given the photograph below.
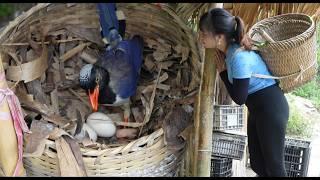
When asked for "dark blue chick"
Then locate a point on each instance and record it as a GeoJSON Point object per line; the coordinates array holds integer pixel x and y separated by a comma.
{"type": "Point", "coordinates": [113, 79]}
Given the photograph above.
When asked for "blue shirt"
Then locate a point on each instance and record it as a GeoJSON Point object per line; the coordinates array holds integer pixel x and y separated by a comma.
{"type": "Point", "coordinates": [245, 63]}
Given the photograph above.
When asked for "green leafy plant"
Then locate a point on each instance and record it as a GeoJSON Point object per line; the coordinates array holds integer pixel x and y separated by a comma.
{"type": "Point", "coordinates": [298, 125]}
{"type": "Point", "coordinates": [6, 9]}
{"type": "Point", "coordinates": [311, 90]}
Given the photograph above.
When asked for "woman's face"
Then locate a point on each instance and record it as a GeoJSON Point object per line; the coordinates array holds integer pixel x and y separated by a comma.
{"type": "Point", "coordinates": [207, 39]}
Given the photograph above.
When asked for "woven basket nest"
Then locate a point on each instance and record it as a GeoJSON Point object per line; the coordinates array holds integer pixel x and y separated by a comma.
{"type": "Point", "coordinates": [291, 51]}
{"type": "Point", "coordinates": [42, 53]}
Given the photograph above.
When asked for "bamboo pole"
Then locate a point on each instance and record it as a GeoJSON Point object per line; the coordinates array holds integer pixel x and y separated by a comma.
{"type": "Point", "coordinates": [204, 126]}
{"type": "Point", "coordinates": [216, 5]}
{"type": "Point", "coordinates": [204, 114]}
{"type": "Point", "coordinates": [194, 135]}
{"type": "Point", "coordinates": [191, 148]}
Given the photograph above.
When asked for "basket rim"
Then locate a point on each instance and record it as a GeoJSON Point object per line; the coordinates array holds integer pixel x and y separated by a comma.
{"type": "Point", "coordinates": [228, 105]}
{"type": "Point", "coordinates": [125, 147]}
{"type": "Point", "coordinates": [303, 143]}
{"type": "Point", "coordinates": [311, 29]}
{"type": "Point", "coordinates": [21, 17]}
{"type": "Point", "coordinates": [230, 133]}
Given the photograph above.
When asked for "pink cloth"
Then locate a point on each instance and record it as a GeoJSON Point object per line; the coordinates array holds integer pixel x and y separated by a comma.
{"type": "Point", "coordinates": [18, 120]}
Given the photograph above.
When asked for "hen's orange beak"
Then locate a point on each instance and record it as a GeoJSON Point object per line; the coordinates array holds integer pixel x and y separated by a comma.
{"type": "Point", "coordinates": [94, 98]}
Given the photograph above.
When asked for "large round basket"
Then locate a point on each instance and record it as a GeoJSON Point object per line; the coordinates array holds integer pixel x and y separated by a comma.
{"type": "Point", "coordinates": [289, 49]}
{"type": "Point", "coordinates": [145, 156]}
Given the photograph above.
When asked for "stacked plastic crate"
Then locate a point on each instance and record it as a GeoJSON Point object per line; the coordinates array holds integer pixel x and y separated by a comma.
{"type": "Point", "coordinates": [296, 157]}
{"type": "Point", "coordinates": [227, 145]}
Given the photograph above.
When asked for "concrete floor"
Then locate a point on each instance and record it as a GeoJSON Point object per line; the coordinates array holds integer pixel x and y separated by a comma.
{"type": "Point", "coordinates": [250, 173]}
{"type": "Point", "coordinates": [314, 161]}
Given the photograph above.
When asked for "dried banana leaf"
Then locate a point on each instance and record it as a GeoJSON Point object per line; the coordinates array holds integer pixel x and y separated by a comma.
{"type": "Point", "coordinates": [37, 139]}
{"type": "Point", "coordinates": [29, 71]}
{"type": "Point", "coordinates": [67, 159]}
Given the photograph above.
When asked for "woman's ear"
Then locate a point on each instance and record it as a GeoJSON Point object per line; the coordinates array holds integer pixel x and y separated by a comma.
{"type": "Point", "coordinates": [219, 37]}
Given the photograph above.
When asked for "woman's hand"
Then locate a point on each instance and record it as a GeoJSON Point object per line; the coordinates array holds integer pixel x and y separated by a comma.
{"type": "Point", "coordinates": [220, 63]}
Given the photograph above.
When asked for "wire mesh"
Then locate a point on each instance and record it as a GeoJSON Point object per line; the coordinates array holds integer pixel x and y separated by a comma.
{"type": "Point", "coordinates": [221, 167]}
{"type": "Point", "coordinates": [228, 117]}
{"type": "Point", "coordinates": [296, 157]}
{"type": "Point", "coordinates": [228, 145]}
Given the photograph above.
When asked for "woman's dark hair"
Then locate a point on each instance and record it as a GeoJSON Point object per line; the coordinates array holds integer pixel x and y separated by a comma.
{"type": "Point", "coordinates": [220, 21]}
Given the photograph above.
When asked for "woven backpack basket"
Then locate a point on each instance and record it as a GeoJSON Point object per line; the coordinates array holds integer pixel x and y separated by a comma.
{"type": "Point", "coordinates": [288, 46]}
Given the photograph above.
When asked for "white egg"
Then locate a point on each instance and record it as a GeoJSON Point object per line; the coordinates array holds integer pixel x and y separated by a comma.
{"type": "Point", "coordinates": [101, 124]}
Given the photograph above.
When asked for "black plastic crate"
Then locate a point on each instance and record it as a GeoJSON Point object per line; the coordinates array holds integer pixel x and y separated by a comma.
{"type": "Point", "coordinates": [228, 117]}
{"type": "Point", "coordinates": [228, 145]}
{"type": "Point", "coordinates": [296, 157]}
{"type": "Point", "coordinates": [221, 167]}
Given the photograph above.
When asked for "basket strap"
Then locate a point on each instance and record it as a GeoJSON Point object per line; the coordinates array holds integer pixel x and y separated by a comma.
{"type": "Point", "coordinates": [299, 74]}
{"type": "Point", "coordinates": [263, 34]}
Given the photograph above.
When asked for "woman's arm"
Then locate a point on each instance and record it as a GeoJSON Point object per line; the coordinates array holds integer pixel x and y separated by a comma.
{"type": "Point", "coordinates": [238, 90]}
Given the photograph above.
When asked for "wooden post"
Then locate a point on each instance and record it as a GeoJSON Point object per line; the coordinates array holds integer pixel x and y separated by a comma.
{"type": "Point", "coordinates": [201, 161]}
{"type": "Point", "coordinates": [204, 126]}
{"type": "Point", "coordinates": [216, 5]}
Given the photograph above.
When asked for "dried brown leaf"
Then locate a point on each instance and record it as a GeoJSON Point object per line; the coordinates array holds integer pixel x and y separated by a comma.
{"type": "Point", "coordinates": [137, 114]}
{"type": "Point", "coordinates": [149, 62]}
{"type": "Point", "coordinates": [54, 101]}
{"type": "Point", "coordinates": [31, 70]}
{"type": "Point", "coordinates": [186, 100]}
{"type": "Point", "coordinates": [185, 54]}
{"type": "Point", "coordinates": [88, 143]}
{"type": "Point", "coordinates": [80, 97]}
{"type": "Point", "coordinates": [90, 34]}
{"type": "Point", "coordinates": [178, 79]}
{"type": "Point", "coordinates": [67, 160]}
{"type": "Point", "coordinates": [115, 117]}
{"type": "Point", "coordinates": [160, 55]}
{"type": "Point", "coordinates": [34, 87]}
{"type": "Point", "coordinates": [73, 51]}
{"type": "Point", "coordinates": [57, 133]}
{"type": "Point", "coordinates": [88, 58]}
{"type": "Point", "coordinates": [162, 78]}
{"type": "Point", "coordinates": [36, 140]}
{"type": "Point", "coordinates": [174, 124]}
{"type": "Point", "coordinates": [149, 108]}
{"type": "Point", "coordinates": [62, 46]}
{"type": "Point", "coordinates": [150, 88]}
{"type": "Point", "coordinates": [77, 154]}
{"type": "Point", "coordinates": [165, 65]}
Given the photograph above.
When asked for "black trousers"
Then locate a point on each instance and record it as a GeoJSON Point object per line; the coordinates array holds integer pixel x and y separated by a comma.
{"type": "Point", "coordinates": [267, 122]}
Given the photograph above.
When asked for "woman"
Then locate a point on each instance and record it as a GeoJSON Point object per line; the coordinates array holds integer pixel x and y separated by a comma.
{"type": "Point", "coordinates": [267, 105]}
